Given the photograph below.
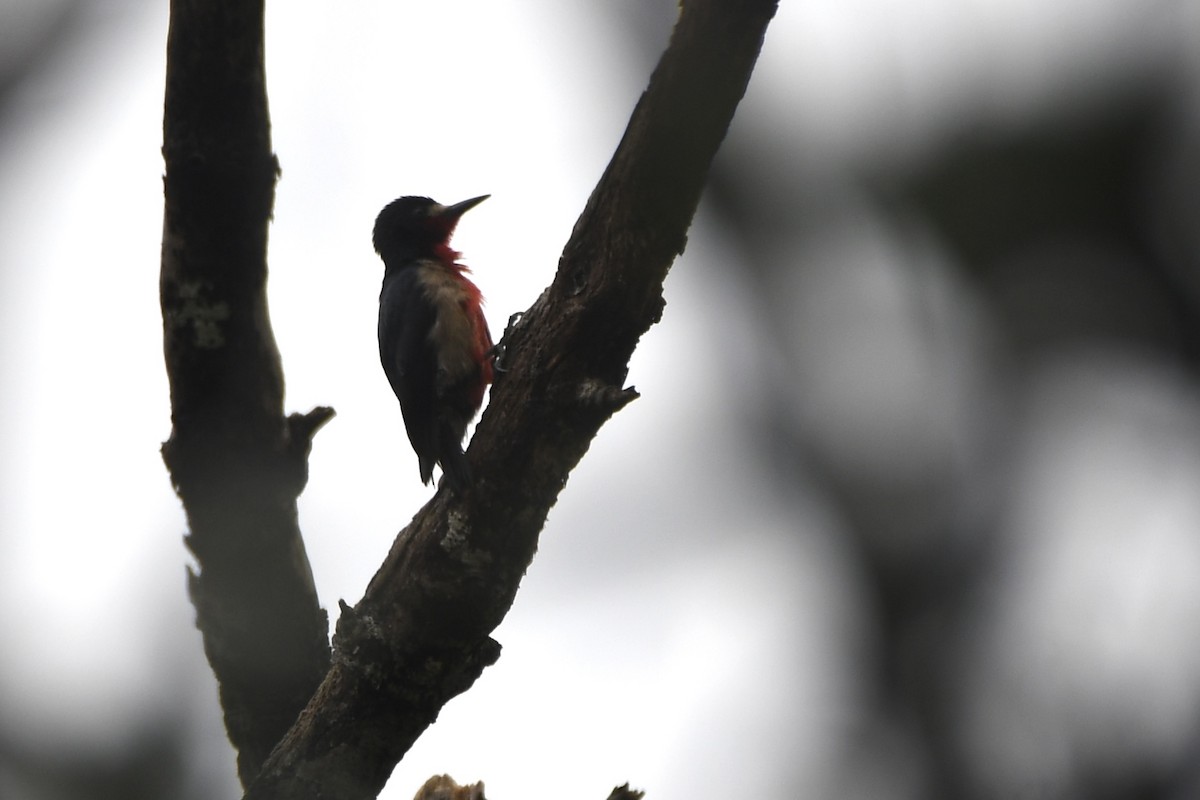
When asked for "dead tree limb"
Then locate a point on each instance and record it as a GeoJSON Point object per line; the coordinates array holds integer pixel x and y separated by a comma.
{"type": "Point", "coordinates": [236, 462]}
{"type": "Point", "coordinates": [420, 635]}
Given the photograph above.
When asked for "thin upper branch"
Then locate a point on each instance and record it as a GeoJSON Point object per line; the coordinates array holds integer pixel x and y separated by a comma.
{"type": "Point", "coordinates": [420, 635]}
{"type": "Point", "coordinates": [235, 460]}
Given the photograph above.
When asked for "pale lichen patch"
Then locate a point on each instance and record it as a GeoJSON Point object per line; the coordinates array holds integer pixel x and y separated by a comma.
{"type": "Point", "coordinates": [456, 542]}
{"type": "Point", "coordinates": [203, 316]}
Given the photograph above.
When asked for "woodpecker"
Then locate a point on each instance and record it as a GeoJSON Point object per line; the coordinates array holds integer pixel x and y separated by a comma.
{"type": "Point", "coordinates": [434, 342]}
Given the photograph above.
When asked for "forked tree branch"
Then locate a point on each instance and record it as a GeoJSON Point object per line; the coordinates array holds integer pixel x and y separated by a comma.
{"type": "Point", "coordinates": [421, 633]}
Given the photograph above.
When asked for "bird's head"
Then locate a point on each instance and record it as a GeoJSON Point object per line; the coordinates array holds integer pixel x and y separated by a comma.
{"type": "Point", "coordinates": [417, 227]}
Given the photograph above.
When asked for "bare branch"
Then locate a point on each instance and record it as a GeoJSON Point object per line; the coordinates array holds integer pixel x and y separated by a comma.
{"type": "Point", "coordinates": [235, 461]}
{"type": "Point", "coordinates": [420, 635]}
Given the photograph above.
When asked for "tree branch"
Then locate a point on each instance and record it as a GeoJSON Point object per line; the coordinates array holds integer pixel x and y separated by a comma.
{"type": "Point", "coordinates": [234, 460]}
{"type": "Point", "coordinates": [420, 635]}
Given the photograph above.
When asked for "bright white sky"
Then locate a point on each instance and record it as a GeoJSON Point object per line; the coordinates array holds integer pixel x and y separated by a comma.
{"type": "Point", "coordinates": [675, 645]}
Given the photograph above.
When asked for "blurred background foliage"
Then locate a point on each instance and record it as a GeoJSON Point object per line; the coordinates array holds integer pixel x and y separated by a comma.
{"type": "Point", "coordinates": [953, 297]}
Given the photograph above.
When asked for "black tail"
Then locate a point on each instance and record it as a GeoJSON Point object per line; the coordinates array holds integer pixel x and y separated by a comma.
{"type": "Point", "coordinates": [426, 467]}
{"type": "Point", "coordinates": [455, 467]}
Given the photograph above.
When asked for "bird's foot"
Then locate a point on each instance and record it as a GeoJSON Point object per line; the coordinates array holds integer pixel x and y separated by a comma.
{"type": "Point", "coordinates": [500, 349]}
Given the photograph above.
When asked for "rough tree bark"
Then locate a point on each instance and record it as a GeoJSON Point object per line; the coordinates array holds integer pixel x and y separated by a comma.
{"type": "Point", "coordinates": [421, 633]}
{"type": "Point", "coordinates": [236, 462]}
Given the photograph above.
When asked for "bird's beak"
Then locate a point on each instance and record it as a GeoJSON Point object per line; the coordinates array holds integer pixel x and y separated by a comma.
{"type": "Point", "coordinates": [458, 209]}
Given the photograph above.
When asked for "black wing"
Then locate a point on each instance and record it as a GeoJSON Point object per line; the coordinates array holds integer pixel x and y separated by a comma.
{"type": "Point", "coordinates": [409, 361]}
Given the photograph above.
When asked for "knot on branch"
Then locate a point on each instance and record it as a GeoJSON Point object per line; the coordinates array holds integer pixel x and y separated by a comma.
{"type": "Point", "coordinates": [301, 428]}
{"type": "Point", "coordinates": [606, 397]}
{"type": "Point", "coordinates": [241, 460]}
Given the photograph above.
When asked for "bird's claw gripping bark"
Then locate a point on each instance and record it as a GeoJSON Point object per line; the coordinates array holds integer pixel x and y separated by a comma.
{"type": "Point", "coordinates": [500, 349]}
